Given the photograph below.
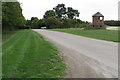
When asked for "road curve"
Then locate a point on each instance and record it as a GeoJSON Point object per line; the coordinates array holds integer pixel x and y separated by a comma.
{"type": "Point", "coordinates": [85, 57]}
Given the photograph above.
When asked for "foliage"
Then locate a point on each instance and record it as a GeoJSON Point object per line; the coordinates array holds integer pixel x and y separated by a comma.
{"type": "Point", "coordinates": [41, 23]}
{"type": "Point", "coordinates": [59, 17]}
{"type": "Point", "coordinates": [63, 12]}
{"type": "Point", "coordinates": [112, 23]}
{"type": "Point", "coordinates": [60, 10]}
{"type": "Point", "coordinates": [50, 22]}
{"type": "Point", "coordinates": [53, 22]}
{"type": "Point", "coordinates": [50, 13]}
{"type": "Point", "coordinates": [12, 17]}
{"type": "Point", "coordinates": [71, 13]}
{"type": "Point", "coordinates": [28, 23]}
{"type": "Point", "coordinates": [34, 22]}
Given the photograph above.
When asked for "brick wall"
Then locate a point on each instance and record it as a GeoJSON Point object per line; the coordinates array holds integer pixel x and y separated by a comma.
{"type": "Point", "coordinates": [97, 22]}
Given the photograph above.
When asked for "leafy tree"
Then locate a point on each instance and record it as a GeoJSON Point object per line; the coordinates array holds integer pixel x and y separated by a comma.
{"type": "Point", "coordinates": [52, 22]}
{"type": "Point", "coordinates": [41, 23]}
{"type": "Point", "coordinates": [71, 13]}
{"type": "Point", "coordinates": [28, 23]}
{"type": "Point", "coordinates": [60, 10]}
{"type": "Point", "coordinates": [12, 17]}
{"type": "Point", "coordinates": [50, 13]}
{"type": "Point", "coordinates": [59, 17]}
{"type": "Point", "coordinates": [63, 12]}
{"type": "Point", "coordinates": [34, 22]}
{"type": "Point", "coordinates": [34, 18]}
{"type": "Point", "coordinates": [69, 23]}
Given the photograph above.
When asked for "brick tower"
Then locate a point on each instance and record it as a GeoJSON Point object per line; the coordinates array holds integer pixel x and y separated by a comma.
{"type": "Point", "coordinates": [98, 21]}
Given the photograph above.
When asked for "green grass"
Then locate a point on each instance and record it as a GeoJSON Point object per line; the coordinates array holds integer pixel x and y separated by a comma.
{"type": "Point", "coordinates": [7, 35]}
{"type": "Point", "coordinates": [109, 35]}
{"type": "Point", "coordinates": [28, 55]}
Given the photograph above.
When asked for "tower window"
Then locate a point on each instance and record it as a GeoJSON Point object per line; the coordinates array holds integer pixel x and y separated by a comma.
{"type": "Point", "coordinates": [101, 18]}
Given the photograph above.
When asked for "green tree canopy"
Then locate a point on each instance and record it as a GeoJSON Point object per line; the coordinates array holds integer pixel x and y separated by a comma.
{"type": "Point", "coordinates": [112, 23]}
{"type": "Point", "coordinates": [71, 13]}
{"type": "Point", "coordinates": [60, 10]}
{"type": "Point", "coordinates": [63, 12]}
{"type": "Point", "coordinates": [50, 13]}
{"type": "Point", "coordinates": [34, 22]}
{"type": "Point", "coordinates": [12, 17]}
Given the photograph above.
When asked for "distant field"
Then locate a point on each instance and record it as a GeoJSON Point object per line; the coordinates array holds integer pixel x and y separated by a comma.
{"type": "Point", "coordinates": [28, 55]}
{"type": "Point", "coordinates": [109, 35]}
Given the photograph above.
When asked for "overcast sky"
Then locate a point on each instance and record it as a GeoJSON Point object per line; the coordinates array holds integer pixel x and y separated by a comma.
{"type": "Point", "coordinates": [37, 8]}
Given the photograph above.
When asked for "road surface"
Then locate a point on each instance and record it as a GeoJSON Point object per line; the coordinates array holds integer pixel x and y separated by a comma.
{"type": "Point", "coordinates": [85, 57]}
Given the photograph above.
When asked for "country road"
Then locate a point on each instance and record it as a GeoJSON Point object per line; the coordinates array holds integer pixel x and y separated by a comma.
{"type": "Point", "coordinates": [85, 57]}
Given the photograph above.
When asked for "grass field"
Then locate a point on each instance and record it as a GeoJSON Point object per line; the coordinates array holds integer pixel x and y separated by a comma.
{"type": "Point", "coordinates": [7, 35]}
{"type": "Point", "coordinates": [109, 35]}
{"type": "Point", "coordinates": [28, 55]}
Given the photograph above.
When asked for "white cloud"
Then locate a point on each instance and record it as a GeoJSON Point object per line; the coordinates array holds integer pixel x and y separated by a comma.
{"type": "Point", "coordinates": [37, 8]}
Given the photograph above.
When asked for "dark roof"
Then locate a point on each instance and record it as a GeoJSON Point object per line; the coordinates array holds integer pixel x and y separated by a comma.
{"type": "Point", "coordinates": [98, 14]}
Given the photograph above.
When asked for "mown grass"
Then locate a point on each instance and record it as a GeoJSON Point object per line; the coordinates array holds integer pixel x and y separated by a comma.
{"type": "Point", "coordinates": [7, 35]}
{"type": "Point", "coordinates": [109, 35]}
{"type": "Point", "coordinates": [28, 55]}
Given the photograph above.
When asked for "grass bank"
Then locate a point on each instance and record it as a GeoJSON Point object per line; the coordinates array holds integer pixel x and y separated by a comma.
{"type": "Point", "coordinates": [109, 35]}
{"type": "Point", "coordinates": [28, 55]}
{"type": "Point", "coordinates": [7, 35]}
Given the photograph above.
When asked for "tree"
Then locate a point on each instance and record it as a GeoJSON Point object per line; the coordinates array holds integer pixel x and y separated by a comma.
{"type": "Point", "coordinates": [112, 23]}
{"type": "Point", "coordinates": [50, 13]}
{"type": "Point", "coordinates": [59, 17]}
{"type": "Point", "coordinates": [28, 23]}
{"type": "Point", "coordinates": [71, 13]}
{"type": "Point", "coordinates": [41, 23]}
{"type": "Point", "coordinates": [63, 12]}
{"type": "Point", "coordinates": [34, 22]}
{"type": "Point", "coordinates": [60, 10]}
{"type": "Point", "coordinates": [52, 22]}
{"type": "Point", "coordinates": [12, 17]}
{"type": "Point", "coordinates": [34, 18]}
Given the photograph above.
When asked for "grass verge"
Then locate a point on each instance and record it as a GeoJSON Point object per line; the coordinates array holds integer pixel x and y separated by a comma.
{"type": "Point", "coordinates": [7, 35]}
{"type": "Point", "coordinates": [109, 35]}
{"type": "Point", "coordinates": [28, 55]}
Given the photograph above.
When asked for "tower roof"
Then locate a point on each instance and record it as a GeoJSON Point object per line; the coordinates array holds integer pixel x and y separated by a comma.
{"type": "Point", "coordinates": [98, 14]}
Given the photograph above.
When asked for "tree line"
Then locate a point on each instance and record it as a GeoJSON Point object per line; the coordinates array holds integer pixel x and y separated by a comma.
{"type": "Point", "coordinates": [112, 23]}
{"type": "Point", "coordinates": [12, 17]}
{"type": "Point", "coordinates": [59, 17]}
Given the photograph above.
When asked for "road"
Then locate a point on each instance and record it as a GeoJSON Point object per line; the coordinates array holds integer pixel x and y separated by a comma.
{"type": "Point", "coordinates": [85, 57]}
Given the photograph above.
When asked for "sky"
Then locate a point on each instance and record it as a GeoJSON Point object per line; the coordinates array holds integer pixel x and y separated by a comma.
{"type": "Point", "coordinates": [119, 11]}
{"type": "Point", "coordinates": [87, 8]}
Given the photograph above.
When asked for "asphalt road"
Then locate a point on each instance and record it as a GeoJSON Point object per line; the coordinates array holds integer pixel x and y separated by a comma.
{"type": "Point", "coordinates": [85, 57]}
